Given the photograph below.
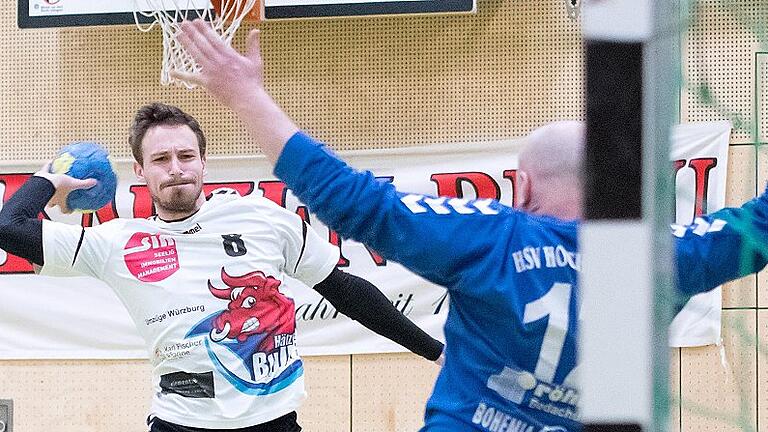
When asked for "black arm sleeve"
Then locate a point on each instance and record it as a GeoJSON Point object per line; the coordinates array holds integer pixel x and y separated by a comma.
{"type": "Point", "coordinates": [360, 300]}
{"type": "Point", "coordinates": [21, 232]}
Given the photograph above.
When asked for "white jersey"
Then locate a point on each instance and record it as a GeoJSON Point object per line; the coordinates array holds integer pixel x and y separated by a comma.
{"type": "Point", "coordinates": [207, 295]}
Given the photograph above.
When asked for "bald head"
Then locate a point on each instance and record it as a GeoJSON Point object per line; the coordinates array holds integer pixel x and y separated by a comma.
{"type": "Point", "coordinates": [550, 164]}
{"type": "Point", "coordinates": [554, 150]}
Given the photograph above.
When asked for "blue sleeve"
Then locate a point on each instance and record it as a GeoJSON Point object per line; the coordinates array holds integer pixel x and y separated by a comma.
{"type": "Point", "coordinates": [722, 246]}
{"type": "Point", "coordinates": [441, 239]}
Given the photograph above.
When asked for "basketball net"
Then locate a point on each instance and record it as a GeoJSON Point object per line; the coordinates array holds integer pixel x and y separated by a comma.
{"type": "Point", "coordinates": [225, 18]}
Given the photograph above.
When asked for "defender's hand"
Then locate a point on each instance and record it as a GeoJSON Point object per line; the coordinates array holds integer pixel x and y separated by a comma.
{"type": "Point", "coordinates": [230, 77]}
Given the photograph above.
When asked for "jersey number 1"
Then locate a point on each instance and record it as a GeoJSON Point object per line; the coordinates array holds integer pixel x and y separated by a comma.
{"type": "Point", "coordinates": [555, 305]}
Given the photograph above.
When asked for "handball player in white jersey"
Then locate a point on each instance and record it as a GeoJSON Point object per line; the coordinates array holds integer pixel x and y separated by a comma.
{"type": "Point", "coordinates": [203, 281]}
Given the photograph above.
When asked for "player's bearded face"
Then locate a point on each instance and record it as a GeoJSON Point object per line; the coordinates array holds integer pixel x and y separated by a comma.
{"type": "Point", "coordinates": [178, 195]}
{"type": "Point", "coordinates": [173, 170]}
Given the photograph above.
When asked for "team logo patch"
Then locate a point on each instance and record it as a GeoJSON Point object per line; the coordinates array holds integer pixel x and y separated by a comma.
{"type": "Point", "coordinates": [151, 257]}
{"type": "Point", "coordinates": [251, 343]}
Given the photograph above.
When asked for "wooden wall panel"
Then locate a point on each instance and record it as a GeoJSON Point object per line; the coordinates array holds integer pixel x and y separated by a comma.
{"type": "Point", "coordinates": [77, 396]}
{"type": "Point", "coordinates": [389, 391]}
{"type": "Point", "coordinates": [718, 385]}
{"type": "Point", "coordinates": [740, 188]}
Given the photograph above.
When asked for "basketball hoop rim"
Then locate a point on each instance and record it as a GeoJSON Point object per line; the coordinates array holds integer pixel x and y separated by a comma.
{"type": "Point", "coordinates": [255, 14]}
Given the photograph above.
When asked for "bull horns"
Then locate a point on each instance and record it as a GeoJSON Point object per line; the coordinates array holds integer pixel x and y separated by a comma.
{"type": "Point", "coordinates": [218, 336]}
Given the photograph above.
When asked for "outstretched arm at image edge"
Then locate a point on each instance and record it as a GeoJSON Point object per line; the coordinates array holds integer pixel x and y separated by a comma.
{"type": "Point", "coordinates": [722, 246]}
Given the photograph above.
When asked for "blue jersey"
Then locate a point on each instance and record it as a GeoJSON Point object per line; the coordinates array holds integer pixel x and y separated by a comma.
{"type": "Point", "coordinates": [512, 277]}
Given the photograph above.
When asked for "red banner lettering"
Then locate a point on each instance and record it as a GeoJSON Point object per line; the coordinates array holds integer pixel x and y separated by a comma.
{"type": "Point", "coordinates": [450, 184]}
{"type": "Point", "coordinates": [512, 176]}
{"type": "Point", "coordinates": [702, 167]}
{"type": "Point", "coordinates": [104, 214]}
{"type": "Point", "coordinates": [14, 264]}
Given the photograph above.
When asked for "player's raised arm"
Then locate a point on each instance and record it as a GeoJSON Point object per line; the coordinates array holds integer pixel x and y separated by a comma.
{"type": "Point", "coordinates": [353, 203]}
{"type": "Point", "coordinates": [21, 232]}
{"type": "Point", "coordinates": [434, 237]}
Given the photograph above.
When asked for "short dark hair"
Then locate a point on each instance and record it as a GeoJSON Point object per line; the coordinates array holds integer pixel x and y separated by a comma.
{"type": "Point", "coordinates": [160, 114]}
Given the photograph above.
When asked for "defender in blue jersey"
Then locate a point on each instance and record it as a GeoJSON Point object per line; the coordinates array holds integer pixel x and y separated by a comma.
{"type": "Point", "coordinates": [510, 358]}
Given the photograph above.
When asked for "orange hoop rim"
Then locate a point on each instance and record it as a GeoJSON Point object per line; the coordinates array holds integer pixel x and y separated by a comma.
{"type": "Point", "coordinates": [254, 15]}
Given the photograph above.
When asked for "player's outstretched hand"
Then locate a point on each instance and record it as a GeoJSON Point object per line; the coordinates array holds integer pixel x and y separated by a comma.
{"type": "Point", "coordinates": [237, 81]}
{"type": "Point", "coordinates": [64, 184]}
{"type": "Point", "coordinates": [228, 76]}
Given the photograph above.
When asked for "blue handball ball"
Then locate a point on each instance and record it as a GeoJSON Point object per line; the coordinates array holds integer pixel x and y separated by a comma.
{"type": "Point", "coordinates": [85, 160]}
